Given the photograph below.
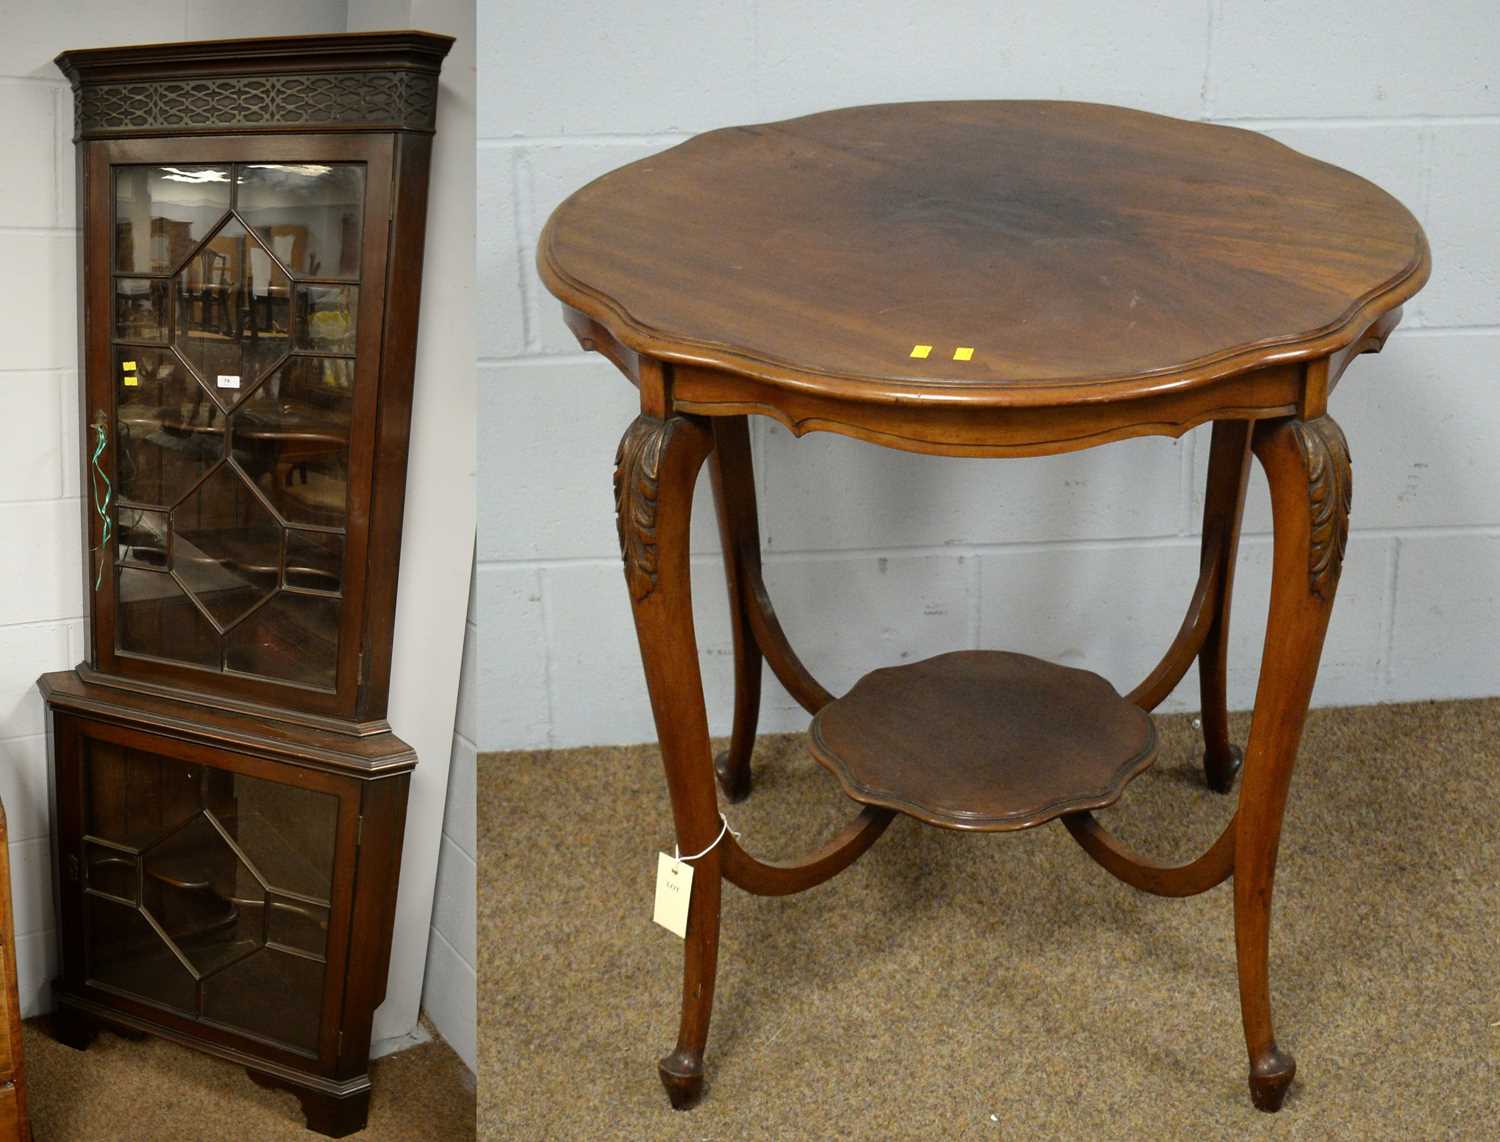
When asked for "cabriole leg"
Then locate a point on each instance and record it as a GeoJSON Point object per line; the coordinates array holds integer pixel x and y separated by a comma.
{"type": "Point", "coordinates": [655, 471]}
{"type": "Point", "coordinates": [1223, 506]}
{"type": "Point", "coordinates": [733, 478]}
{"type": "Point", "coordinates": [1307, 466]}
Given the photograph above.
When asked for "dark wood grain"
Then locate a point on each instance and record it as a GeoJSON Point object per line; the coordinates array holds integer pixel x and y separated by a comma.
{"type": "Point", "coordinates": [984, 740]}
{"type": "Point", "coordinates": [1223, 509]}
{"type": "Point", "coordinates": [372, 919]}
{"type": "Point", "coordinates": [1068, 244]}
{"type": "Point", "coordinates": [739, 535]}
{"type": "Point", "coordinates": [390, 412]}
{"type": "Point", "coordinates": [368, 755]}
{"type": "Point", "coordinates": [782, 878]}
{"type": "Point", "coordinates": [1208, 870]}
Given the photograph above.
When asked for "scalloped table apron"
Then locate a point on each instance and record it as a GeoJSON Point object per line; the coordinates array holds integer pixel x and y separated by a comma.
{"type": "Point", "coordinates": [983, 279]}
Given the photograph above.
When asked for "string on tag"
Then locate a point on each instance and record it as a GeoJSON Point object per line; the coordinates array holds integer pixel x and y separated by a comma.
{"type": "Point", "coordinates": [711, 847]}
{"type": "Point", "coordinates": [101, 503]}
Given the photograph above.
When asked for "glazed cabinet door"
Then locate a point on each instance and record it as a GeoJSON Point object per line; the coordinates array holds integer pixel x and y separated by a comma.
{"type": "Point", "coordinates": [235, 292]}
{"type": "Point", "coordinates": [206, 889]}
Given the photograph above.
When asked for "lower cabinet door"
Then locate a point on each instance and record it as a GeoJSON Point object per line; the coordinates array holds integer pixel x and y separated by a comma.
{"type": "Point", "coordinates": [211, 885]}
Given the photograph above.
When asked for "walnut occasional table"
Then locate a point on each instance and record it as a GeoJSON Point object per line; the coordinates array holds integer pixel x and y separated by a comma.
{"type": "Point", "coordinates": [983, 279]}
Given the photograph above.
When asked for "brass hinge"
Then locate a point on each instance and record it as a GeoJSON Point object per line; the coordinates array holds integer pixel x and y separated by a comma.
{"type": "Point", "coordinates": [340, 1049]}
{"type": "Point", "coordinates": [72, 863]}
{"type": "Point", "coordinates": [359, 830]}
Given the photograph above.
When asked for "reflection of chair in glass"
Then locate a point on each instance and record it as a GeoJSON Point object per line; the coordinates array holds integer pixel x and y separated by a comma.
{"type": "Point", "coordinates": [194, 427]}
{"type": "Point", "coordinates": [297, 426]}
{"type": "Point", "coordinates": [137, 317]}
{"type": "Point", "coordinates": [212, 310]}
{"type": "Point", "coordinates": [140, 317]}
{"type": "Point", "coordinates": [168, 431]}
{"type": "Point", "coordinates": [268, 307]}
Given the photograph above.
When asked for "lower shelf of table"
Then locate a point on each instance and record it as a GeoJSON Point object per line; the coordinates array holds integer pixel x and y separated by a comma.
{"type": "Point", "coordinates": [984, 740]}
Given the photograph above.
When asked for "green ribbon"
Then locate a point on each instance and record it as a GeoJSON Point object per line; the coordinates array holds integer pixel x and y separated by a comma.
{"type": "Point", "coordinates": [101, 503]}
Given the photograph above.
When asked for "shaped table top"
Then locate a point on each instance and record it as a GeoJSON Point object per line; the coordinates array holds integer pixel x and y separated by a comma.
{"type": "Point", "coordinates": [1029, 245]}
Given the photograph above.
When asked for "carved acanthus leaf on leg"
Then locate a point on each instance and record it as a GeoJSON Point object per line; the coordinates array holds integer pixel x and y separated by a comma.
{"type": "Point", "coordinates": [1330, 490]}
{"type": "Point", "coordinates": [637, 478]}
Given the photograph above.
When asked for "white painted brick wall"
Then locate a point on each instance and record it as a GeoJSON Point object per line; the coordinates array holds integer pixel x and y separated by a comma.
{"type": "Point", "coordinates": [1347, 58]}
{"type": "Point", "coordinates": [41, 563]}
{"type": "Point", "coordinates": [449, 984]}
{"type": "Point", "coordinates": [1089, 558]}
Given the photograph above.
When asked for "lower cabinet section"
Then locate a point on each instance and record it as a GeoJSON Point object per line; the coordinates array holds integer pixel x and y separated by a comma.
{"type": "Point", "coordinates": [228, 883]}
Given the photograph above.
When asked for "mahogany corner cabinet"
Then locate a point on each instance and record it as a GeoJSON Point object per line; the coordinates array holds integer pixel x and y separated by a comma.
{"type": "Point", "coordinates": [228, 801]}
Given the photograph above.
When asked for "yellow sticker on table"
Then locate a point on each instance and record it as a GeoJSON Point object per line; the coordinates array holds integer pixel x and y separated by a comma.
{"type": "Point", "coordinates": [131, 381]}
{"type": "Point", "coordinates": [128, 366]}
{"type": "Point", "coordinates": [920, 351]}
{"type": "Point", "coordinates": [963, 353]}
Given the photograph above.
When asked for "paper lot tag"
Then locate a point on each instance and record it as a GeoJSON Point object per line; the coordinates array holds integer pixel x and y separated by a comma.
{"type": "Point", "coordinates": [674, 890]}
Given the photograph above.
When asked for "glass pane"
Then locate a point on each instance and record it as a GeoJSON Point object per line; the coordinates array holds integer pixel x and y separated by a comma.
{"type": "Point", "coordinates": [298, 924]}
{"type": "Point", "coordinates": [124, 952]}
{"type": "Point", "coordinates": [308, 214]}
{"type": "Point", "coordinates": [135, 797]}
{"type": "Point", "coordinates": [288, 834]}
{"type": "Point", "coordinates": [293, 637]}
{"type": "Point", "coordinates": [154, 616]}
{"type": "Point", "coordinates": [314, 560]}
{"type": "Point", "coordinates": [162, 212]}
{"type": "Point", "coordinates": [167, 430]}
{"type": "Point", "coordinates": [141, 537]}
{"type": "Point", "coordinates": [326, 318]}
{"type": "Point", "coordinates": [271, 993]}
{"type": "Point", "coordinates": [161, 806]}
{"type": "Point", "coordinates": [291, 436]}
{"type": "Point", "coordinates": [140, 309]}
{"type": "Point", "coordinates": [226, 547]}
{"type": "Point", "coordinates": [233, 305]}
{"type": "Point", "coordinates": [110, 871]}
{"type": "Point", "coordinates": [205, 898]}
{"type": "Point", "coordinates": [221, 852]}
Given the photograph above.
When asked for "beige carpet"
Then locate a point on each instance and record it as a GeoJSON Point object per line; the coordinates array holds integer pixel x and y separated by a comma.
{"type": "Point", "coordinates": [1004, 986]}
{"type": "Point", "coordinates": [155, 1091]}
